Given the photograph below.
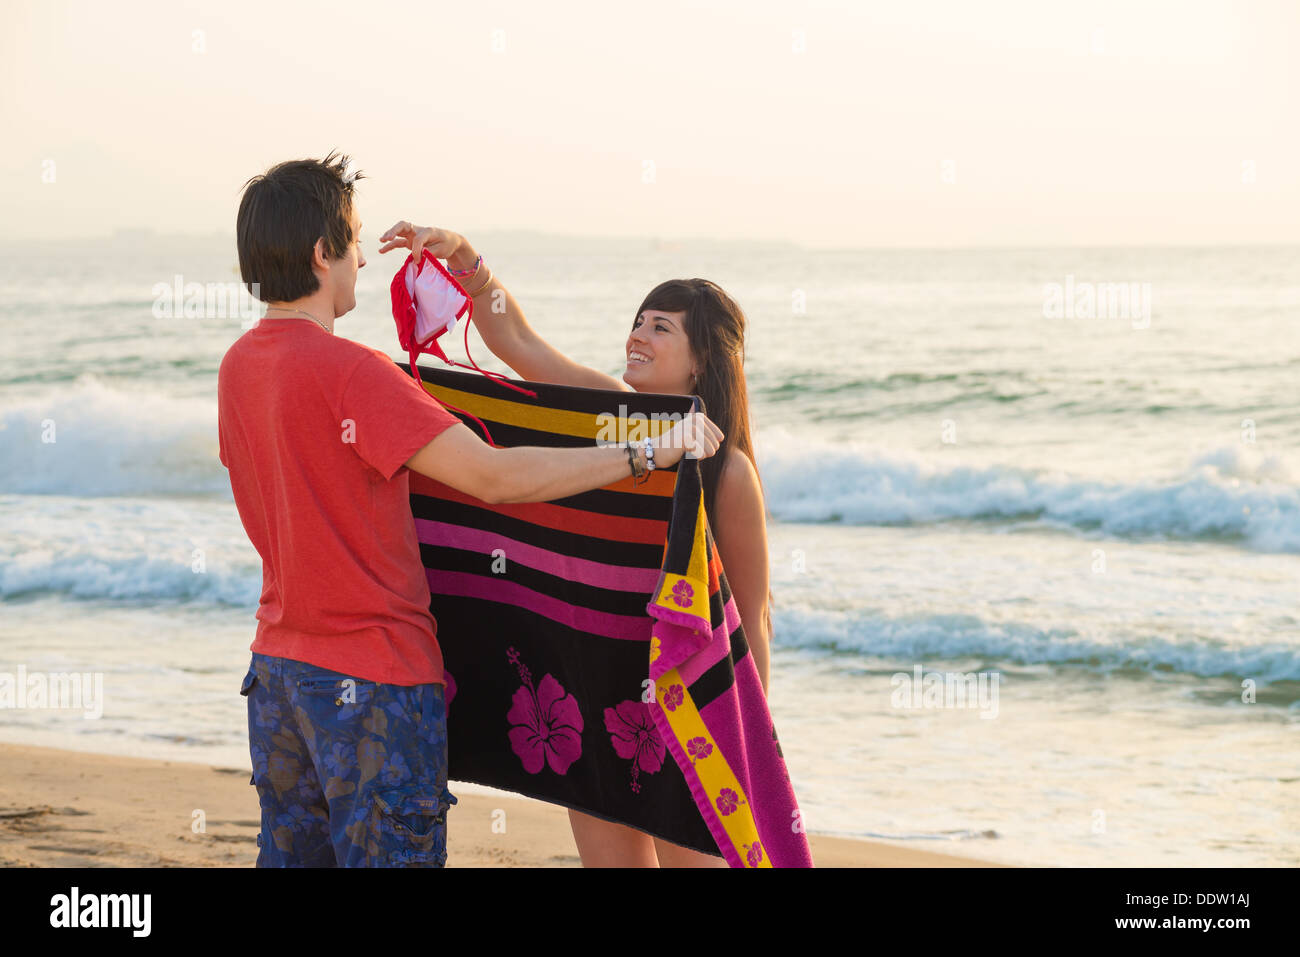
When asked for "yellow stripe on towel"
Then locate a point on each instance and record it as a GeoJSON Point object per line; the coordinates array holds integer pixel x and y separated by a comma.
{"type": "Point", "coordinates": [547, 419]}
{"type": "Point", "coordinates": [713, 771]}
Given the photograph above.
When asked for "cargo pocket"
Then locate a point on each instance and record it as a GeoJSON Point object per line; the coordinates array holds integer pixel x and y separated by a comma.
{"type": "Point", "coordinates": [341, 690]}
{"type": "Point", "coordinates": [410, 827]}
{"type": "Point", "coordinates": [246, 689]}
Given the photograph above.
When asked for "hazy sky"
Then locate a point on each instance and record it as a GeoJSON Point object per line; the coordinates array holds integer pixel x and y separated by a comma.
{"type": "Point", "coordinates": [827, 124]}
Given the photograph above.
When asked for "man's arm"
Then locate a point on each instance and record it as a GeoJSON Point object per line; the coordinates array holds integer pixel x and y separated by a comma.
{"type": "Point", "coordinates": [459, 458]}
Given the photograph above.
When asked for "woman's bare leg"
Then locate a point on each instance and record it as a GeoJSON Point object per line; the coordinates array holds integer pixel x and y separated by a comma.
{"type": "Point", "coordinates": [606, 844]}
{"type": "Point", "coordinates": [674, 855]}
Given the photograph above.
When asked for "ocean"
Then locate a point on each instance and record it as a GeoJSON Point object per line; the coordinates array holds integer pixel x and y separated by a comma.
{"type": "Point", "coordinates": [1072, 475]}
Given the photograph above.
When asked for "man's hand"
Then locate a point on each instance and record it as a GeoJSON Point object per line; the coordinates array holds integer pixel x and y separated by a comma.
{"type": "Point", "coordinates": [695, 436]}
{"type": "Point", "coordinates": [441, 243]}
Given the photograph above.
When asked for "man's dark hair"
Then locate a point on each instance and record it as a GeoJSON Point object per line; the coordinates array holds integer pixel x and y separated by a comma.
{"type": "Point", "coordinates": [283, 212]}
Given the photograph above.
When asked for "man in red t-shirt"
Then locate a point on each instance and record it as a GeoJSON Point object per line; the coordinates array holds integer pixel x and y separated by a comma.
{"type": "Point", "coordinates": [346, 715]}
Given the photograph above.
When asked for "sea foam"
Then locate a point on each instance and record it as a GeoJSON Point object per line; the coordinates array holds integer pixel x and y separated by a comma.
{"type": "Point", "coordinates": [1225, 494]}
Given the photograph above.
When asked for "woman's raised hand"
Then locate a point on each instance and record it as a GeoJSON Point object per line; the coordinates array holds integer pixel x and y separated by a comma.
{"type": "Point", "coordinates": [441, 243]}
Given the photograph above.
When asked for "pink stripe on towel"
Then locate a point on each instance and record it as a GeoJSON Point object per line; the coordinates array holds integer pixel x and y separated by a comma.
{"type": "Point", "coordinates": [600, 574]}
{"type": "Point", "coordinates": [717, 649]}
{"type": "Point", "coordinates": [465, 585]}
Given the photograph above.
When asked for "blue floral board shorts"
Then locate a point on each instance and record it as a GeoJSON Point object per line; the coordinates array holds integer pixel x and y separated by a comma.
{"type": "Point", "coordinates": [349, 772]}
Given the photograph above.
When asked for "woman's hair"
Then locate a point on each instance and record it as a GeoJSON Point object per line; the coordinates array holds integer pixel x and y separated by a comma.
{"type": "Point", "coordinates": [715, 330]}
{"type": "Point", "coordinates": [283, 212]}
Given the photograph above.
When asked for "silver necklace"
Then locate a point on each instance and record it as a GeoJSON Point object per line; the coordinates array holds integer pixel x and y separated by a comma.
{"type": "Point", "coordinates": [305, 313]}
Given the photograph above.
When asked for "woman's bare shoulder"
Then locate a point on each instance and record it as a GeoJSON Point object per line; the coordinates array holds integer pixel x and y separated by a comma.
{"type": "Point", "coordinates": [738, 468]}
{"type": "Point", "coordinates": [739, 491]}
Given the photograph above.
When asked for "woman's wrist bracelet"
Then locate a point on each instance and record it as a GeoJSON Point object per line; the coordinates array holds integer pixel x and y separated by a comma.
{"type": "Point", "coordinates": [649, 455]}
{"type": "Point", "coordinates": [487, 280]}
{"type": "Point", "coordinates": [464, 273]}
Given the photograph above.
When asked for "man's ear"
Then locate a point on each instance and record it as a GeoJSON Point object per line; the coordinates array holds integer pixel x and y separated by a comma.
{"type": "Point", "coordinates": [318, 259]}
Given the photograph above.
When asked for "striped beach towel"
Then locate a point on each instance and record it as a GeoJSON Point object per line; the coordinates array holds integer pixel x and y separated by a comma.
{"type": "Point", "coordinates": [594, 655]}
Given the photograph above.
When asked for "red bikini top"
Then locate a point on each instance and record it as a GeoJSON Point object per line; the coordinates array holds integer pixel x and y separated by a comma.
{"type": "Point", "coordinates": [427, 301]}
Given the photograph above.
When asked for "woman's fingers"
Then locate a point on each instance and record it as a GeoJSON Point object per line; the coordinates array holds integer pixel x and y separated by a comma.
{"type": "Point", "coordinates": [402, 228]}
{"type": "Point", "coordinates": [397, 236]}
{"type": "Point", "coordinates": [404, 235]}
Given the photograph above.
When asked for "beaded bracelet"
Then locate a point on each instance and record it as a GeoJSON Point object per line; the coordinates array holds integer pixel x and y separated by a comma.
{"type": "Point", "coordinates": [649, 455]}
{"type": "Point", "coordinates": [462, 273]}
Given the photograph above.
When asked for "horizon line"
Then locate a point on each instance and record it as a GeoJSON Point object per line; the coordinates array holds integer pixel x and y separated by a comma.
{"type": "Point", "coordinates": [150, 232]}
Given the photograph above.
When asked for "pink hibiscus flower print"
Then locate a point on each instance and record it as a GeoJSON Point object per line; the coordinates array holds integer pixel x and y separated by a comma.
{"type": "Point", "coordinates": [673, 697]}
{"type": "Point", "coordinates": [633, 733]}
{"type": "Point", "coordinates": [755, 854]}
{"type": "Point", "coordinates": [698, 749]}
{"type": "Point", "coordinates": [727, 802]}
{"type": "Point", "coordinates": [683, 593]}
{"type": "Point", "coordinates": [545, 725]}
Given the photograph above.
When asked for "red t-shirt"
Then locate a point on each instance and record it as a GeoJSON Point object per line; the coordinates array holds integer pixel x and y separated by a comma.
{"type": "Point", "coordinates": [315, 430]}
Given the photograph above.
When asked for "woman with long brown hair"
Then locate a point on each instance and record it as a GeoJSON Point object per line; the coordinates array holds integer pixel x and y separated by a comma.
{"type": "Point", "coordinates": [687, 338]}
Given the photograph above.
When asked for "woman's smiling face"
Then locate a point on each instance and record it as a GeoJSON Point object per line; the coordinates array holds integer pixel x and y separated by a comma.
{"type": "Point", "coordinates": [659, 355]}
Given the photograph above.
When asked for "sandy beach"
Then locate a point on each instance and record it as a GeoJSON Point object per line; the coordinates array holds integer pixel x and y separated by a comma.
{"type": "Point", "coordinates": [74, 809]}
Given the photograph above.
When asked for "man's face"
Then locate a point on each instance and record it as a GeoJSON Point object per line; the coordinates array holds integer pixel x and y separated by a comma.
{"type": "Point", "coordinates": [341, 278]}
